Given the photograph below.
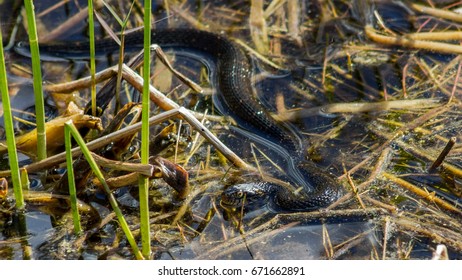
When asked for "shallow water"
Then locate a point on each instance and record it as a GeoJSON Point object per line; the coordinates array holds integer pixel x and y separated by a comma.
{"type": "Point", "coordinates": [335, 65]}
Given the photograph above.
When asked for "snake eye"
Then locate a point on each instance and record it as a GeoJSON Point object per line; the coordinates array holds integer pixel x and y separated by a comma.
{"type": "Point", "coordinates": [240, 194]}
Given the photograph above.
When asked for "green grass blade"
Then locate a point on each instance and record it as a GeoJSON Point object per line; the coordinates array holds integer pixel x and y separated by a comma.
{"type": "Point", "coordinates": [10, 139]}
{"type": "Point", "coordinates": [37, 73]}
{"type": "Point", "coordinates": [71, 180]}
{"type": "Point", "coordinates": [121, 56]}
{"type": "Point", "coordinates": [113, 13]}
{"type": "Point", "coordinates": [124, 23]}
{"type": "Point", "coordinates": [144, 181]}
{"type": "Point", "coordinates": [91, 27]}
{"type": "Point", "coordinates": [95, 168]}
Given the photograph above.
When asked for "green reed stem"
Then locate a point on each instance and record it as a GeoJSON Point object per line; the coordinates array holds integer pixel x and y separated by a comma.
{"type": "Point", "coordinates": [144, 181]}
{"type": "Point", "coordinates": [10, 140]}
{"type": "Point", "coordinates": [94, 166]}
{"type": "Point", "coordinates": [71, 180]}
{"type": "Point", "coordinates": [91, 27]}
{"type": "Point", "coordinates": [22, 231]}
{"type": "Point", "coordinates": [37, 74]}
{"type": "Point", "coordinates": [123, 25]}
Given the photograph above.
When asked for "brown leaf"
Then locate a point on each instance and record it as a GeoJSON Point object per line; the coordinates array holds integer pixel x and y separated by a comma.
{"type": "Point", "coordinates": [174, 175]}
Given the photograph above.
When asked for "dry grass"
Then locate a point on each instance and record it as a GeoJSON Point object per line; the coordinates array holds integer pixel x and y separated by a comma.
{"type": "Point", "coordinates": [393, 207]}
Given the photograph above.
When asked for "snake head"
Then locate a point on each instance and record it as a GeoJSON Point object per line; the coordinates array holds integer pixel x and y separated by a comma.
{"type": "Point", "coordinates": [244, 194]}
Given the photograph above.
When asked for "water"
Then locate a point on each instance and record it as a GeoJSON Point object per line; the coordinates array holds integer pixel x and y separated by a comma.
{"type": "Point", "coordinates": [337, 63]}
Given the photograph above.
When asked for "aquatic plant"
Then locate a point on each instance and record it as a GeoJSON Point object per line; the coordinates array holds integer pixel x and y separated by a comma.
{"type": "Point", "coordinates": [71, 129]}
{"type": "Point", "coordinates": [37, 76]}
{"type": "Point", "coordinates": [143, 180]}
{"type": "Point", "coordinates": [8, 123]}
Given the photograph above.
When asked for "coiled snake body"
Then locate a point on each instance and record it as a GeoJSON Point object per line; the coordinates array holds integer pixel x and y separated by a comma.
{"type": "Point", "coordinates": [234, 73]}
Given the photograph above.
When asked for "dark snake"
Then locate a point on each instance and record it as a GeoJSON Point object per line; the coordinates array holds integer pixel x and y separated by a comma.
{"type": "Point", "coordinates": [234, 72]}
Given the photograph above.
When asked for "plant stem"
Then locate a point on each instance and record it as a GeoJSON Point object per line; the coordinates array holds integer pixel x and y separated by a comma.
{"type": "Point", "coordinates": [144, 181]}
{"type": "Point", "coordinates": [91, 27]}
{"type": "Point", "coordinates": [71, 180]}
{"type": "Point", "coordinates": [10, 139]}
{"type": "Point", "coordinates": [94, 166]}
{"type": "Point", "coordinates": [37, 74]}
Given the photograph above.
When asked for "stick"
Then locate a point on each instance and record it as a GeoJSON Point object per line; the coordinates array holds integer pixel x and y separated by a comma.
{"type": "Point", "coordinates": [443, 154]}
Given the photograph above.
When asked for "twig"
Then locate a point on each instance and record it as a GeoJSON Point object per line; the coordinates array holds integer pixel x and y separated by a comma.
{"type": "Point", "coordinates": [131, 77]}
{"type": "Point", "coordinates": [293, 11]}
{"type": "Point", "coordinates": [424, 154]}
{"type": "Point", "coordinates": [258, 27]}
{"type": "Point", "coordinates": [376, 203]}
{"type": "Point", "coordinates": [257, 55]}
{"type": "Point", "coordinates": [68, 25]}
{"type": "Point", "coordinates": [41, 198]}
{"type": "Point", "coordinates": [129, 130]}
{"type": "Point", "coordinates": [355, 190]}
{"type": "Point", "coordinates": [408, 43]}
{"type": "Point", "coordinates": [436, 36]}
{"type": "Point", "coordinates": [387, 229]}
{"type": "Point", "coordinates": [120, 181]}
{"type": "Point", "coordinates": [52, 8]}
{"type": "Point", "coordinates": [357, 107]}
{"type": "Point", "coordinates": [422, 193]}
{"type": "Point", "coordinates": [438, 13]}
{"type": "Point", "coordinates": [145, 169]}
{"type": "Point", "coordinates": [347, 246]}
{"type": "Point", "coordinates": [443, 154]}
{"type": "Point", "coordinates": [163, 58]}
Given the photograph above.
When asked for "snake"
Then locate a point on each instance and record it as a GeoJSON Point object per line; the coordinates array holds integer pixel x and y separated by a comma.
{"type": "Point", "coordinates": [236, 92]}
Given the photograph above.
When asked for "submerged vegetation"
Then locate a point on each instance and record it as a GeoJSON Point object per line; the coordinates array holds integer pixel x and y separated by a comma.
{"type": "Point", "coordinates": [371, 87]}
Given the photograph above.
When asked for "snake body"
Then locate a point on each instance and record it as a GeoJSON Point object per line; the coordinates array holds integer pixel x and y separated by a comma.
{"type": "Point", "coordinates": [233, 67]}
{"type": "Point", "coordinates": [281, 199]}
{"type": "Point", "coordinates": [234, 73]}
